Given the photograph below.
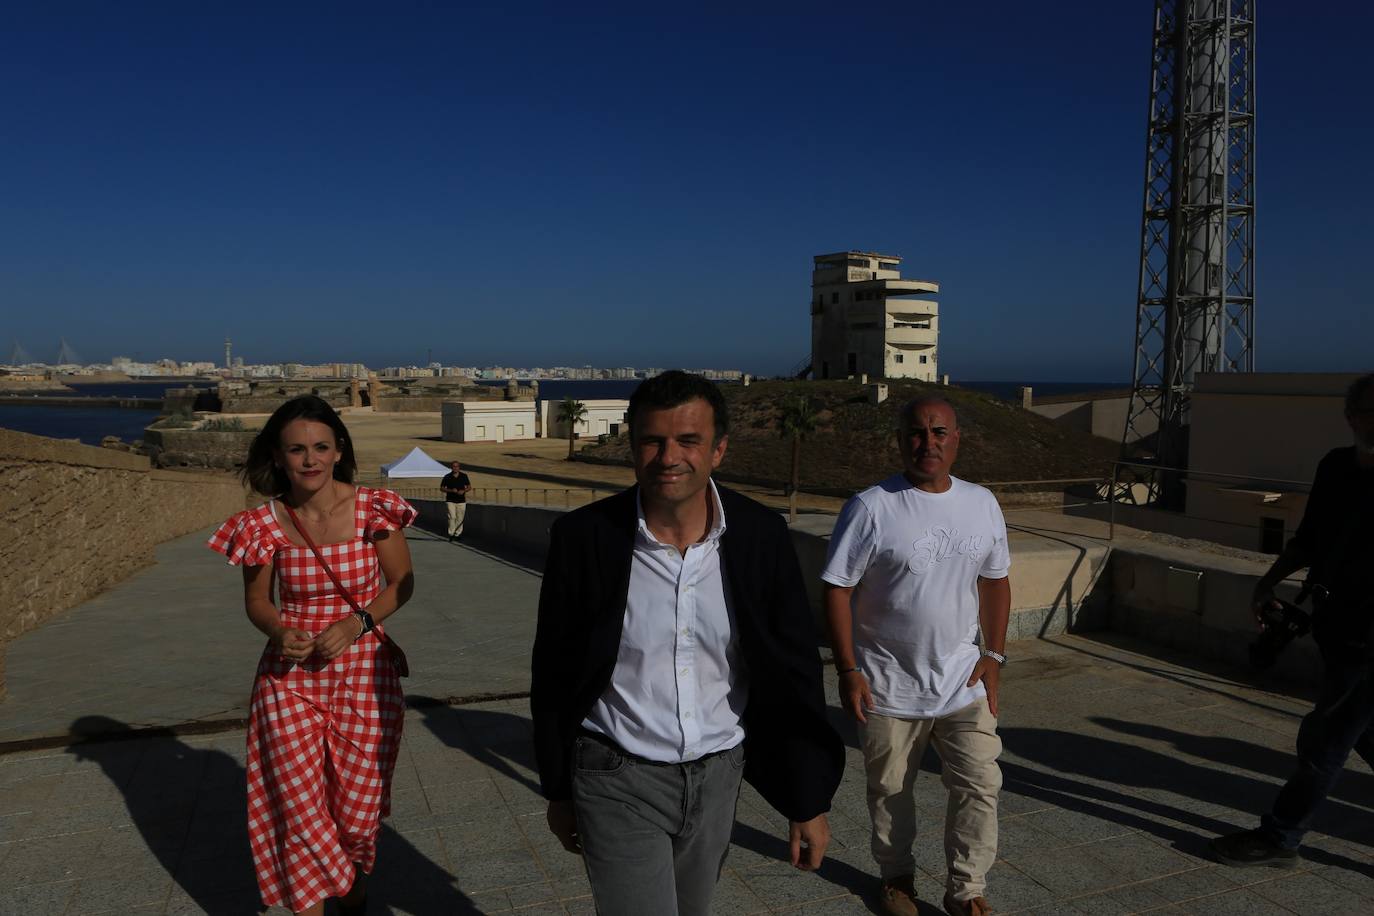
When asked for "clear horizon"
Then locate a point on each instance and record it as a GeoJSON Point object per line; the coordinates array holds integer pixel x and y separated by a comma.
{"type": "Point", "coordinates": [620, 186]}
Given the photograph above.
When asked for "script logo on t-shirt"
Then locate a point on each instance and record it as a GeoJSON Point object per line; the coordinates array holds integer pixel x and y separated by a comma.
{"type": "Point", "coordinates": [940, 544]}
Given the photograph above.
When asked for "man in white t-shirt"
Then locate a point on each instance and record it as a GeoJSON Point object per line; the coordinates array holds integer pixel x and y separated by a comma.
{"type": "Point", "coordinates": [917, 566]}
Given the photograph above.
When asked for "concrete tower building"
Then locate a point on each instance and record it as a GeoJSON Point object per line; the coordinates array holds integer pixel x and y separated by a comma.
{"type": "Point", "coordinates": [867, 320]}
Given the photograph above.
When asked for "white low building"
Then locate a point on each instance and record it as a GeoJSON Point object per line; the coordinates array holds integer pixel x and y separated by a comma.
{"type": "Point", "coordinates": [604, 417]}
{"type": "Point", "coordinates": [488, 421]}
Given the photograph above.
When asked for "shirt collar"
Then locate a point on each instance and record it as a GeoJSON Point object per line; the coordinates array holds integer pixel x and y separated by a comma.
{"type": "Point", "coordinates": [717, 516]}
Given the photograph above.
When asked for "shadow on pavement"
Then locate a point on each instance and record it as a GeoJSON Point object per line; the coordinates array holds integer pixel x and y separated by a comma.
{"type": "Point", "coordinates": [841, 874]}
{"type": "Point", "coordinates": [1354, 787]}
{"type": "Point", "coordinates": [1138, 776]}
{"type": "Point", "coordinates": [190, 806]}
{"type": "Point", "coordinates": [496, 739]}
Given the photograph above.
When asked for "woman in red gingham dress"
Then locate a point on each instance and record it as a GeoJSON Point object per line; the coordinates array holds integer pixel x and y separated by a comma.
{"type": "Point", "coordinates": [324, 725]}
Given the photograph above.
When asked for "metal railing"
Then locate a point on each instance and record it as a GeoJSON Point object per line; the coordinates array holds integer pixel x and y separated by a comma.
{"type": "Point", "coordinates": [550, 497]}
{"type": "Point", "coordinates": [1113, 490]}
{"type": "Point", "coordinates": [562, 497]}
{"type": "Point", "coordinates": [1120, 491]}
{"type": "Point", "coordinates": [568, 497]}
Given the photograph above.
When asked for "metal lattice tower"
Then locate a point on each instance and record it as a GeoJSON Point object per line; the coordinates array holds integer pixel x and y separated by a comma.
{"type": "Point", "coordinates": [1195, 309]}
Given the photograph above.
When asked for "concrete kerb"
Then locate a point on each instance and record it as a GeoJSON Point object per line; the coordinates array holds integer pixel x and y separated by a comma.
{"type": "Point", "coordinates": [202, 727]}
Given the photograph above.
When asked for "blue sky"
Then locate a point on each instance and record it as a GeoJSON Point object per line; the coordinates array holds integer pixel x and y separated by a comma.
{"type": "Point", "coordinates": [604, 184]}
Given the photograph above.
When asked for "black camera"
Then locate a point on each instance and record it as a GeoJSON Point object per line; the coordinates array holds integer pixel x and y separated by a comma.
{"type": "Point", "coordinates": [1282, 625]}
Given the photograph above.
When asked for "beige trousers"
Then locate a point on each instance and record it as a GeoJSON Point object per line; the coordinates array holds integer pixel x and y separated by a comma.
{"type": "Point", "coordinates": [456, 513]}
{"type": "Point", "coordinates": [968, 746]}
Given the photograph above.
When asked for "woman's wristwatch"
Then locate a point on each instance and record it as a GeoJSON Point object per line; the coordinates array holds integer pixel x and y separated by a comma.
{"type": "Point", "coordinates": [368, 624]}
{"type": "Point", "coordinates": [995, 656]}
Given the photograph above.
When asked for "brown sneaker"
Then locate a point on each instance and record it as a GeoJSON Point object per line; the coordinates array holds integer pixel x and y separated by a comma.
{"type": "Point", "coordinates": [974, 906]}
{"type": "Point", "coordinates": [899, 896]}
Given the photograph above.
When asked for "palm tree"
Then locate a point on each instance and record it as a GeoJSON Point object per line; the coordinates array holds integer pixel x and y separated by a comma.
{"type": "Point", "coordinates": [572, 412]}
{"type": "Point", "coordinates": [799, 417]}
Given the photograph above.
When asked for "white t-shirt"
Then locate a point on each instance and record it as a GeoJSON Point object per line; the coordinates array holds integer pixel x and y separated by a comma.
{"type": "Point", "coordinates": [915, 558]}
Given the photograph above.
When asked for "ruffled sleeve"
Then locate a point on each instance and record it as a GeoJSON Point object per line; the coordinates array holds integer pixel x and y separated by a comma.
{"type": "Point", "coordinates": [243, 540]}
{"type": "Point", "coordinates": [389, 512]}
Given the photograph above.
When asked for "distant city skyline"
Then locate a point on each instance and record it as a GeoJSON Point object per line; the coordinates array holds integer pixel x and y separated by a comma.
{"type": "Point", "coordinates": [167, 367]}
{"type": "Point", "coordinates": [632, 186]}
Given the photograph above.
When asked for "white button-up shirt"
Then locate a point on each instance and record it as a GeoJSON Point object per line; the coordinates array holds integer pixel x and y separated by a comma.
{"type": "Point", "coordinates": [678, 689]}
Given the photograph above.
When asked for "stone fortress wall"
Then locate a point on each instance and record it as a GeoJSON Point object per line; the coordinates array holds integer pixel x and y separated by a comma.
{"type": "Point", "coordinates": [78, 519]}
{"type": "Point", "coordinates": [197, 448]}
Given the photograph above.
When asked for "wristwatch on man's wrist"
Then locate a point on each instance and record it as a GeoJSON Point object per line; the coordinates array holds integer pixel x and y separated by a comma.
{"type": "Point", "coordinates": [995, 656]}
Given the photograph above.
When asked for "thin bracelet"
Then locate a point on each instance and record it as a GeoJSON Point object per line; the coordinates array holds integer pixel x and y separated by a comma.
{"type": "Point", "coordinates": [839, 671]}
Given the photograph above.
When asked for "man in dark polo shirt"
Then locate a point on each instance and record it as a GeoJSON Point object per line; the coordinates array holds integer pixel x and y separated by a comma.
{"type": "Point", "coordinates": [1335, 541]}
{"type": "Point", "coordinates": [455, 486]}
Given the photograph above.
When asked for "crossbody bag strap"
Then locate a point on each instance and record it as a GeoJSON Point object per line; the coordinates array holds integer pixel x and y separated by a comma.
{"type": "Point", "coordinates": [329, 571]}
{"type": "Point", "coordinates": [398, 657]}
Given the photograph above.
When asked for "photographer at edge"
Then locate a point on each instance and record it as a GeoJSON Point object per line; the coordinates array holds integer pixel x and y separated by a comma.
{"type": "Point", "coordinates": [1335, 541]}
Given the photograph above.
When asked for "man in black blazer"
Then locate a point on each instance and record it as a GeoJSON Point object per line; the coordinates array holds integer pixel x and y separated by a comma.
{"type": "Point", "coordinates": [675, 653]}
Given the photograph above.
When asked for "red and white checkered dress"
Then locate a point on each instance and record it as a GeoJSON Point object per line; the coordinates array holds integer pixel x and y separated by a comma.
{"type": "Point", "coordinates": [322, 735]}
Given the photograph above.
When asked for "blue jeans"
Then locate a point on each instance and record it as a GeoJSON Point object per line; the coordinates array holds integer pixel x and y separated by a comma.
{"type": "Point", "coordinates": [1340, 722]}
{"type": "Point", "coordinates": [654, 835]}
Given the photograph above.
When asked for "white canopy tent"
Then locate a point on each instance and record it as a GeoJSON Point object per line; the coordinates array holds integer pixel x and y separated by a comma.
{"type": "Point", "coordinates": [415, 464]}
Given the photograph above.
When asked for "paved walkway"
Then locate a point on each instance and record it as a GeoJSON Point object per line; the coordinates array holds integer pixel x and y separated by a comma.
{"type": "Point", "coordinates": [171, 644]}
{"type": "Point", "coordinates": [1118, 765]}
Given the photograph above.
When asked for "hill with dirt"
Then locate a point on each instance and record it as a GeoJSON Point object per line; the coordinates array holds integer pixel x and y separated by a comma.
{"type": "Point", "coordinates": [855, 443]}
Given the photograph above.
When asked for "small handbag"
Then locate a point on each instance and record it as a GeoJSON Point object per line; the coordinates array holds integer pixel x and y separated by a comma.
{"type": "Point", "coordinates": [398, 658]}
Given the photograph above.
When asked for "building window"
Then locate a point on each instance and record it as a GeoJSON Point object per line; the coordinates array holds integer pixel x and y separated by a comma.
{"type": "Point", "coordinates": [520, 429]}
{"type": "Point", "coordinates": [853, 363]}
{"type": "Point", "coordinates": [1271, 535]}
{"type": "Point", "coordinates": [898, 358]}
{"type": "Point", "coordinates": [834, 298]}
{"type": "Point", "coordinates": [481, 432]}
{"type": "Point", "coordinates": [924, 359]}
{"type": "Point", "coordinates": [887, 265]}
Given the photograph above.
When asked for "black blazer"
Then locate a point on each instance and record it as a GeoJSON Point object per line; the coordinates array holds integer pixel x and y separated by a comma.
{"type": "Point", "coordinates": [793, 756]}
